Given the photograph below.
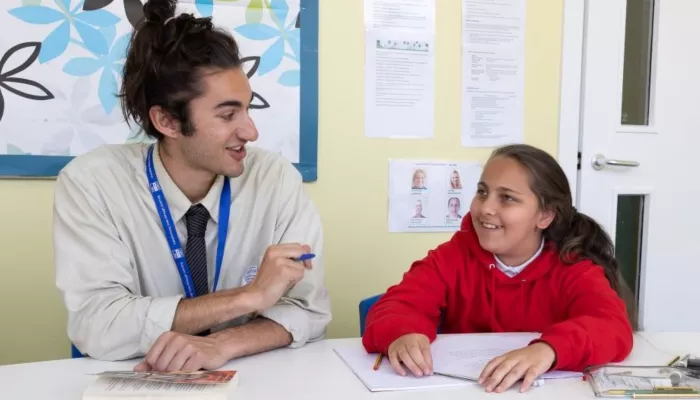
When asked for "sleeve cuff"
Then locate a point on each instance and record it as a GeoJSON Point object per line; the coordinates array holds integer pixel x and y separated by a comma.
{"type": "Point", "coordinates": [561, 347]}
{"type": "Point", "coordinates": [159, 319]}
{"type": "Point", "coordinates": [291, 318]}
{"type": "Point", "coordinates": [396, 329]}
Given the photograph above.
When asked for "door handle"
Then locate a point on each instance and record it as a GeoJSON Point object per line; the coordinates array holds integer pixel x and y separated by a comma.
{"type": "Point", "coordinates": [599, 162]}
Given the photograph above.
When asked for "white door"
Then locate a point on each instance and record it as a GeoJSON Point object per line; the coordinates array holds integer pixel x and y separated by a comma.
{"type": "Point", "coordinates": [640, 109]}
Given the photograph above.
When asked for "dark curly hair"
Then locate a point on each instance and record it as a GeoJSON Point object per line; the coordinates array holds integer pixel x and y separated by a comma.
{"type": "Point", "coordinates": [165, 61]}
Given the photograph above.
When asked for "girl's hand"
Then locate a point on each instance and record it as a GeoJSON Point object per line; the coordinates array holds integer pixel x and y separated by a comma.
{"type": "Point", "coordinates": [527, 363]}
{"type": "Point", "coordinates": [413, 350]}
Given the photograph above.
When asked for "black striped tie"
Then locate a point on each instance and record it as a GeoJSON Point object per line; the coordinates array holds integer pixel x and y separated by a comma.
{"type": "Point", "coordinates": [196, 250]}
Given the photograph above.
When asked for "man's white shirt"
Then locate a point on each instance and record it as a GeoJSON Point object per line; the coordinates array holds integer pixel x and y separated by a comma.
{"type": "Point", "coordinates": [114, 267]}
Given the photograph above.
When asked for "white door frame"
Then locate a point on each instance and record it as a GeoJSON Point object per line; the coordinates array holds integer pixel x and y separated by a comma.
{"type": "Point", "coordinates": [570, 92]}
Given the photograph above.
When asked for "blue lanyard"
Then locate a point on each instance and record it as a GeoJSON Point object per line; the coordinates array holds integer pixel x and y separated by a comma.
{"type": "Point", "coordinates": [171, 234]}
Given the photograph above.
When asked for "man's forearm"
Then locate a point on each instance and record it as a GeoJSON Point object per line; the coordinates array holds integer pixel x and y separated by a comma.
{"type": "Point", "coordinates": [254, 337]}
{"type": "Point", "coordinates": [201, 313]}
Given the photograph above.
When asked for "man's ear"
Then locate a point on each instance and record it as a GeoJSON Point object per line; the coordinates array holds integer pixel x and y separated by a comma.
{"type": "Point", "coordinates": [546, 218]}
{"type": "Point", "coordinates": [164, 122]}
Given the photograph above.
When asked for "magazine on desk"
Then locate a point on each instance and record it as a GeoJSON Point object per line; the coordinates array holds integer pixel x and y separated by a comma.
{"type": "Point", "coordinates": [636, 381]}
{"type": "Point", "coordinates": [207, 385]}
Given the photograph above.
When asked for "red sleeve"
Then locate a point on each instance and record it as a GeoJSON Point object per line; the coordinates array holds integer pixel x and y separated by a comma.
{"type": "Point", "coordinates": [596, 330]}
{"type": "Point", "coordinates": [413, 305]}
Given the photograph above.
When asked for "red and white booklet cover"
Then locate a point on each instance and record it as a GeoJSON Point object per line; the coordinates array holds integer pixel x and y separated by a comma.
{"type": "Point", "coordinates": [208, 385]}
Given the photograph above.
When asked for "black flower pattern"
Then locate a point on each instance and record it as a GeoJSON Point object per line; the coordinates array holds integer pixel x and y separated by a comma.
{"type": "Point", "coordinates": [261, 103]}
{"type": "Point", "coordinates": [132, 8]}
{"type": "Point", "coordinates": [91, 5]}
{"type": "Point", "coordinates": [253, 68]}
{"type": "Point", "coordinates": [21, 86]}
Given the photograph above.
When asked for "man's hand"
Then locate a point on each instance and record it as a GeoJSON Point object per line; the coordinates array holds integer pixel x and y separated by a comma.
{"type": "Point", "coordinates": [174, 351]}
{"type": "Point", "coordinates": [414, 351]}
{"type": "Point", "coordinates": [527, 363]}
{"type": "Point", "coordinates": [278, 273]}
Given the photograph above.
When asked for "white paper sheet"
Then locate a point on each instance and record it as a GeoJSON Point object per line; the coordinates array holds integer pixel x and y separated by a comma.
{"type": "Point", "coordinates": [492, 72]}
{"type": "Point", "coordinates": [399, 94]}
{"type": "Point", "coordinates": [385, 379]}
{"type": "Point", "coordinates": [400, 14]}
{"type": "Point", "coordinates": [466, 355]}
{"type": "Point", "coordinates": [400, 68]}
{"type": "Point", "coordinates": [430, 196]}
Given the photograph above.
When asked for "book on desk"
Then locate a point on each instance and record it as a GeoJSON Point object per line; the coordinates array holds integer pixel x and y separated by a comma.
{"type": "Point", "coordinates": [204, 385]}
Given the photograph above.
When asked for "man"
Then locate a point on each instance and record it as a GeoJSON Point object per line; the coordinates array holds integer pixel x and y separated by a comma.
{"type": "Point", "coordinates": [419, 210]}
{"type": "Point", "coordinates": [147, 260]}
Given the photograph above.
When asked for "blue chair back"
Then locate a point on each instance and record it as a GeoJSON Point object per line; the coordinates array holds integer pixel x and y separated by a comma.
{"type": "Point", "coordinates": [74, 352]}
{"type": "Point", "coordinates": [365, 305]}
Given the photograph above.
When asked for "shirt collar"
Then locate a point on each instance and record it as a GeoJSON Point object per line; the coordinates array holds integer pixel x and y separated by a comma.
{"type": "Point", "coordinates": [522, 266]}
{"type": "Point", "coordinates": [177, 201]}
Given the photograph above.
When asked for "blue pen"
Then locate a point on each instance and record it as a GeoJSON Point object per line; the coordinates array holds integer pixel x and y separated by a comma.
{"type": "Point", "coordinates": [305, 257]}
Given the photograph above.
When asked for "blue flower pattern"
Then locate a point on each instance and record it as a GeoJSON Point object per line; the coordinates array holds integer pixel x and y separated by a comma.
{"type": "Point", "coordinates": [96, 30]}
{"type": "Point", "coordinates": [96, 33]}
{"type": "Point", "coordinates": [85, 23]}
{"type": "Point", "coordinates": [205, 7]}
{"type": "Point", "coordinates": [284, 32]}
{"type": "Point", "coordinates": [109, 65]}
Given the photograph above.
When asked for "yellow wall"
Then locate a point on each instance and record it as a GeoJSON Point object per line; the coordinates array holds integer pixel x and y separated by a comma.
{"type": "Point", "coordinates": [362, 257]}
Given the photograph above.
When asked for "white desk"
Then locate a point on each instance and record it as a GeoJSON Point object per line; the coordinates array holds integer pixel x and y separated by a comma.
{"type": "Point", "coordinates": [314, 372]}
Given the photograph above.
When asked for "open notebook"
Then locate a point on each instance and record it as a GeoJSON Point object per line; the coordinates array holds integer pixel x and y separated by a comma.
{"type": "Point", "coordinates": [458, 360]}
{"type": "Point", "coordinates": [465, 355]}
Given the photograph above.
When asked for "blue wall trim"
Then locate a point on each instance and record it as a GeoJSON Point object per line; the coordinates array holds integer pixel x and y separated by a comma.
{"type": "Point", "coordinates": [308, 149]}
{"type": "Point", "coordinates": [32, 166]}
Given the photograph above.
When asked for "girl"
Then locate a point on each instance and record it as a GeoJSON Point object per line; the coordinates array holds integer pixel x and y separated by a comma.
{"type": "Point", "coordinates": [524, 260]}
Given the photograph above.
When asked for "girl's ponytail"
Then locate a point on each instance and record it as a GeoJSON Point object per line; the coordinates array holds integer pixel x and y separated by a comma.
{"type": "Point", "coordinates": [582, 237]}
{"type": "Point", "coordinates": [586, 239]}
